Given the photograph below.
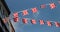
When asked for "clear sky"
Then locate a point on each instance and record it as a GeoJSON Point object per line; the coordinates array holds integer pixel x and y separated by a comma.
{"type": "Point", "coordinates": [45, 14]}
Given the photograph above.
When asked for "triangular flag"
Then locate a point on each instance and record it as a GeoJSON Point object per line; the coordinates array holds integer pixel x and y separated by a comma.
{"type": "Point", "coordinates": [16, 19]}
{"type": "Point", "coordinates": [49, 23]}
{"type": "Point", "coordinates": [57, 24]}
{"type": "Point", "coordinates": [25, 12]}
{"type": "Point", "coordinates": [41, 22]}
{"type": "Point", "coordinates": [25, 20]}
{"type": "Point", "coordinates": [43, 6]}
{"type": "Point", "coordinates": [33, 21]}
{"type": "Point", "coordinates": [34, 10]}
{"type": "Point", "coordinates": [52, 5]}
{"type": "Point", "coordinates": [15, 14]}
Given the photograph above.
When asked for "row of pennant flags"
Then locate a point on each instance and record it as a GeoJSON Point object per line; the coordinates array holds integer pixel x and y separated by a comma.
{"type": "Point", "coordinates": [33, 21]}
{"type": "Point", "coordinates": [41, 22]}
{"type": "Point", "coordinates": [35, 10]}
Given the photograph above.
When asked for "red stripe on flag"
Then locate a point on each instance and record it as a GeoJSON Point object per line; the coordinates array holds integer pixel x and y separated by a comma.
{"type": "Point", "coordinates": [16, 19]}
{"type": "Point", "coordinates": [49, 23]}
{"type": "Point", "coordinates": [25, 12]}
{"type": "Point", "coordinates": [34, 10]}
{"type": "Point", "coordinates": [52, 5]}
{"type": "Point", "coordinates": [41, 22]}
{"type": "Point", "coordinates": [33, 21]}
{"type": "Point", "coordinates": [43, 6]}
{"type": "Point", "coordinates": [15, 14]}
{"type": "Point", "coordinates": [25, 21]}
{"type": "Point", "coordinates": [57, 24]}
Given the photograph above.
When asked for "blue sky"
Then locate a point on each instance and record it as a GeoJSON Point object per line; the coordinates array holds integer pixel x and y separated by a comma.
{"type": "Point", "coordinates": [44, 14]}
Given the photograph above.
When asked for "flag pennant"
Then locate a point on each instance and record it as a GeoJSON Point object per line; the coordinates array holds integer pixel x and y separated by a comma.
{"type": "Point", "coordinates": [41, 22]}
{"type": "Point", "coordinates": [16, 19]}
{"type": "Point", "coordinates": [15, 14]}
{"type": "Point", "coordinates": [52, 5]}
{"type": "Point", "coordinates": [49, 23]}
{"type": "Point", "coordinates": [25, 12]}
{"type": "Point", "coordinates": [33, 21]}
{"type": "Point", "coordinates": [57, 24]}
{"type": "Point", "coordinates": [34, 10]}
{"type": "Point", "coordinates": [43, 6]}
{"type": "Point", "coordinates": [25, 20]}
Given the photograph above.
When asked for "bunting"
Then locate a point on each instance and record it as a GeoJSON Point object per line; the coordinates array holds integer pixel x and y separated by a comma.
{"type": "Point", "coordinates": [25, 20]}
{"type": "Point", "coordinates": [49, 23]}
{"type": "Point", "coordinates": [41, 22]}
{"type": "Point", "coordinates": [16, 19]}
{"type": "Point", "coordinates": [52, 5]}
{"type": "Point", "coordinates": [43, 6]}
{"type": "Point", "coordinates": [15, 14]}
{"type": "Point", "coordinates": [25, 12]}
{"type": "Point", "coordinates": [34, 10]}
{"type": "Point", "coordinates": [33, 21]}
{"type": "Point", "coordinates": [57, 24]}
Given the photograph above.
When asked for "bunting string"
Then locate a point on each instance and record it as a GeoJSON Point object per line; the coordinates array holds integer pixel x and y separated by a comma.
{"type": "Point", "coordinates": [35, 10]}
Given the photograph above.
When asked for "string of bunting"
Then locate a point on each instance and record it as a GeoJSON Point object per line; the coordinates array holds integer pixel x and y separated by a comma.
{"type": "Point", "coordinates": [34, 10]}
